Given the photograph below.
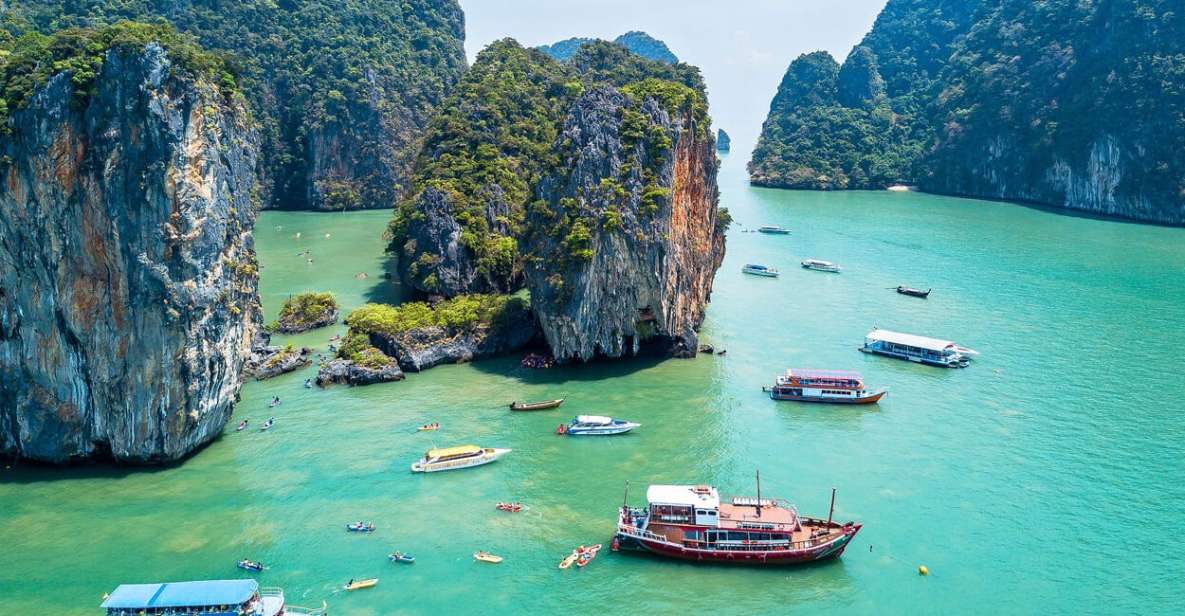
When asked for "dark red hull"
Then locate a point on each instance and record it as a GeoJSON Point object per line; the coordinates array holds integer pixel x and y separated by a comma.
{"type": "Point", "coordinates": [797, 556]}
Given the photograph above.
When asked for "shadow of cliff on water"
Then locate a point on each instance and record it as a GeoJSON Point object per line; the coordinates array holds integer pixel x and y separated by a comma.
{"type": "Point", "coordinates": [595, 370]}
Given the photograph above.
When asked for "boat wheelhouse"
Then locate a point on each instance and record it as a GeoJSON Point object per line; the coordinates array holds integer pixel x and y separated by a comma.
{"type": "Point", "coordinates": [208, 598]}
{"type": "Point", "coordinates": [773, 230]}
{"type": "Point", "coordinates": [830, 386]}
{"type": "Point", "coordinates": [450, 458]}
{"type": "Point", "coordinates": [691, 523]}
{"type": "Point", "coordinates": [919, 349]}
{"type": "Point", "coordinates": [760, 270]}
{"type": "Point", "coordinates": [821, 266]}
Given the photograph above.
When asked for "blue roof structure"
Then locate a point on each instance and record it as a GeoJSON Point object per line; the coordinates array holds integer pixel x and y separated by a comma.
{"type": "Point", "coordinates": [181, 594]}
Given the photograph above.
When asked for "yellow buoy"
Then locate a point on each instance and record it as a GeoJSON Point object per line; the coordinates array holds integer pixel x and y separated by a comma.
{"type": "Point", "coordinates": [922, 570]}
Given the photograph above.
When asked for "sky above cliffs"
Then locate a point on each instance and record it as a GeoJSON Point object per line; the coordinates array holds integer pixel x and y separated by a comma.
{"type": "Point", "coordinates": [742, 46]}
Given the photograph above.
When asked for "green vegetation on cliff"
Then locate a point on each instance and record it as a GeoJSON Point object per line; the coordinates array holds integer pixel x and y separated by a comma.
{"type": "Point", "coordinates": [341, 87]}
{"type": "Point", "coordinates": [1069, 103]}
{"type": "Point", "coordinates": [28, 60]}
{"type": "Point", "coordinates": [461, 312]}
{"type": "Point", "coordinates": [865, 124]}
{"type": "Point", "coordinates": [498, 135]}
{"type": "Point", "coordinates": [307, 311]}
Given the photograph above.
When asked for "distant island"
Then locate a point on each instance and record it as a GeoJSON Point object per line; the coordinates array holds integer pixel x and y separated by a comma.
{"type": "Point", "coordinates": [1070, 104]}
{"type": "Point", "coordinates": [638, 42]}
{"type": "Point", "coordinates": [723, 141]}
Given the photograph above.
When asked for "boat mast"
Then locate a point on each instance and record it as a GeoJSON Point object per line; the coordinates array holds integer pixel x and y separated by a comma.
{"type": "Point", "coordinates": [759, 493]}
{"type": "Point", "coordinates": [832, 511]}
{"type": "Point", "coordinates": [625, 500]}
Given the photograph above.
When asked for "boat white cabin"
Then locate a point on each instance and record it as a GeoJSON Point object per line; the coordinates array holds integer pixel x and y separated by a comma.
{"type": "Point", "coordinates": [918, 349]}
{"type": "Point", "coordinates": [821, 266]}
{"type": "Point", "coordinates": [760, 270]}
{"type": "Point", "coordinates": [451, 458]}
{"type": "Point", "coordinates": [594, 425]}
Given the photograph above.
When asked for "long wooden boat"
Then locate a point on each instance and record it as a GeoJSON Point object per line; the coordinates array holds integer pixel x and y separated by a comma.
{"type": "Point", "coordinates": [691, 523]}
{"type": "Point", "coordinates": [912, 292]}
{"type": "Point", "coordinates": [535, 406]}
{"type": "Point", "coordinates": [827, 386]}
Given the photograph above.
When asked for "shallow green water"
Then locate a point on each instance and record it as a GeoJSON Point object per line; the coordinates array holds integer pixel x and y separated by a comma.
{"type": "Point", "coordinates": [1048, 477]}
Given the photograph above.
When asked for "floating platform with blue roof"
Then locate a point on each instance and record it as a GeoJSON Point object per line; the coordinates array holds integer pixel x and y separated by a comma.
{"type": "Point", "coordinates": [202, 598]}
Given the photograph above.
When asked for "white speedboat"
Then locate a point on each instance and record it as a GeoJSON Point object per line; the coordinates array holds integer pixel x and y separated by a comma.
{"type": "Point", "coordinates": [821, 266]}
{"type": "Point", "coordinates": [597, 425]}
{"type": "Point", "coordinates": [450, 458]}
{"type": "Point", "coordinates": [760, 270]}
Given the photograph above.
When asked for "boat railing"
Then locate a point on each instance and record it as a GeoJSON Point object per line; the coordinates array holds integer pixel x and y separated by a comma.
{"type": "Point", "coordinates": [739, 546]}
{"type": "Point", "coordinates": [271, 591]}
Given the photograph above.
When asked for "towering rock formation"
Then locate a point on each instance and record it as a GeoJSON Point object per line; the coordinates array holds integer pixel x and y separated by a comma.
{"type": "Point", "coordinates": [596, 178]}
{"type": "Point", "coordinates": [127, 268]}
{"type": "Point", "coordinates": [723, 141]}
{"type": "Point", "coordinates": [1070, 104]}
{"type": "Point", "coordinates": [629, 241]}
{"type": "Point", "coordinates": [342, 89]}
{"type": "Point", "coordinates": [1079, 105]}
{"type": "Point", "coordinates": [636, 41]}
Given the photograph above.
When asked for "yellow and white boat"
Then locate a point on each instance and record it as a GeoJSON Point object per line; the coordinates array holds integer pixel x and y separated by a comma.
{"type": "Point", "coordinates": [450, 458]}
{"type": "Point", "coordinates": [486, 557]}
{"type": "Point", "coordinates": [356, 584]}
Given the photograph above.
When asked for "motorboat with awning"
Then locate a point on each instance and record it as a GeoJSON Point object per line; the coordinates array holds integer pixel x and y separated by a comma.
{"type": "Point", "coordinates": [450, 458]}
{"type": "Point", "coordinates": [773, 230]}
{"type": "Point", "coordinates": [692, 522]}
{"type": "Point", "coordinates": [821, 266]}
{"type": "Point", "coordinates": [208, 598]}
{"type": "Point", "coordinates": [756, 269]}
{"type": "Point", "coordinates": [918, 349]}
{"type": "Point", "coordinates": [829, 386]}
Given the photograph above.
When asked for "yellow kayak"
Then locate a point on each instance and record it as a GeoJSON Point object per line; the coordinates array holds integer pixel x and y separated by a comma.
{"type": "Point", "coordinates": [356, 584]}
{"type": "Point", "coordinates": [487, 557]}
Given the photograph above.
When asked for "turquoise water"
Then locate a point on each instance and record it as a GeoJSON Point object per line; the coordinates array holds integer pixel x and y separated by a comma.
{"type": "Point", "coordinates": [1048, 477]}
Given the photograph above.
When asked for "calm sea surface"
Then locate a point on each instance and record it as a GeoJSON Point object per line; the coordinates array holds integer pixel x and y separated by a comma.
{"type": "Point", "coordinates": [1048, 477]}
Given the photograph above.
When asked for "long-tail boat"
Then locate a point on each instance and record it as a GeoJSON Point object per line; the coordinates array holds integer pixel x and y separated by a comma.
{"type": "Point", "coordinates": [535, 406]}
{"type": "Point", "coordinates": [691, 523]}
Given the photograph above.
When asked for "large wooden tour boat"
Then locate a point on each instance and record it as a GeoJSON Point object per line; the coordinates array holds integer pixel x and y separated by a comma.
{"type": "Point", "coordinates": [830, 386]}
{"type": "Point", "coordinates": [691, 523]}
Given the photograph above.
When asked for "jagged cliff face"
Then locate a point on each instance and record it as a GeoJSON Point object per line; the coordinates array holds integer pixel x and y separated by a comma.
{"type": "Point", "coordinates": [127, 269]}
{"type": "Point", "coordinates": [341, 89]}
{"type": "Point", "coordinates": [1090, 118]}
{"type": "Point", "coordinates": [638, 258]}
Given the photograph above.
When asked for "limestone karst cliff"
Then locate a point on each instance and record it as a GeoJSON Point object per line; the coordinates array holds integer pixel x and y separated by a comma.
{"type": "Point", "coordinates": [341, 89]}
{"type": "Point", "coordinates": [127, 268]}
{"type": "Point", "coordinates": [1075, 105]}
{"type": "Point", "coordinates": [639, 236]}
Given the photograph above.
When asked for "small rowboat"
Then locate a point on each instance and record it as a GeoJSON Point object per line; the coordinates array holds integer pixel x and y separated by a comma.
{"type": "Point", "coordinates": [535, 406]}
{"type": "Point", "coordinates": [250, 565]}
{"type": "Point", "coordinates": [360, 527]}
{"type": "Point", "coordinates": [400, 557]}
{"type": "Point", "coordinates": [914, 292]}
{"type": "Point", "coordinates": [486, 557]}
{"type": "Point", "coordinates": [357, 584]}
{"type": "Point", "coordinates": [568, 560]}
{"type": "Point", "coordinates": [510, 507]}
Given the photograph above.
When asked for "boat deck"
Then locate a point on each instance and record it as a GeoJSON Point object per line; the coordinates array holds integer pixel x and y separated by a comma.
{"type": "Point", "coordinates": [744, 517]}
